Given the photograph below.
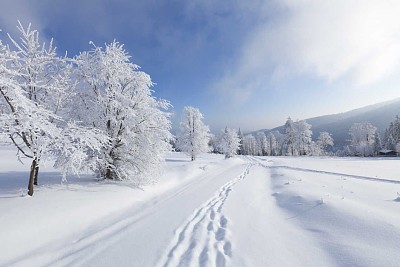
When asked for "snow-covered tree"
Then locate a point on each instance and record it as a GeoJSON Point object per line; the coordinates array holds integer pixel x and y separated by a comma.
{"type": "Point", "coordinates": [289, 131]}
{"type": "Point", "coordinates": [297, 138]}
{"type": "Point", "coordinates": [398, 148]}
{"type": "Point", "coordinates": [261, 144]}
{"type": "Point", "coordinates": [77, 149]}
{"type": "Point", "coordinates": [35, 85]}
{"type": "Point", "coordinates": [240, 135]}
{"type": "Point", "coordinates": [378, 143]}
{"type": "Point", "coordinates": [392, 134]}
{"type": "Point", "coordinates": [249, 145]}
{"type": "Point", "coordinates": [228, 143]}
{"type": "Point", "coordinates": [213, 143]}
{"type": "Point", "coordinates": [303, 137]}
{"type": "Point", "coordinates": [324, 141]}
{"type": "Point", "coordinates": [390, 142]}
{"type": "Point", "coordinates": [116, 98]}
{"type": "Point", "coordinates": [362, 138]}
{"type": "Point", "coordinates": [193, 135]}
{"type": "Point", "coordinates": [272, 148]}
{"type": "Point", "coordinates": [315, 149]}
{"type": "Point", "coordinates": [280, 143]}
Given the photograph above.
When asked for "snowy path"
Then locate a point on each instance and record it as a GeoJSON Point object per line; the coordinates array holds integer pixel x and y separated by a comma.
{"type": "Point", "coordinates": [249, 211]}
{"type": "Point", "coordinates": [203, 237]}
{"type": "Point", "coordinates": [150, 227]}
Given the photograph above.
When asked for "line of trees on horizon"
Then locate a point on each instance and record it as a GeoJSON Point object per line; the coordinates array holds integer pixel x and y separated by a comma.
{"type": "Point", "coordinates": [294, 140]}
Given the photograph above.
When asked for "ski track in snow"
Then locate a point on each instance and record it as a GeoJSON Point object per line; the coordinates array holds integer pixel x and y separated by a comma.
{"type": "Point", "coordinates": [204, 239]}
{"type": "Point", "coordinates": [84, 244]}
{"type": "Point", "coordinates": [374, 179]}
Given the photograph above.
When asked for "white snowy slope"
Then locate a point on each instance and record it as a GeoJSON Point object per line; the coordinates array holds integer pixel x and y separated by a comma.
{"type": "Point", "coordinates": [249, 211]}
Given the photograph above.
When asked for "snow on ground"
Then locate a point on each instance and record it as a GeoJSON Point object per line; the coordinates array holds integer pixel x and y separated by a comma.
{"type": "Point", "coordinates": [355, 219]}
{"type": "Point", "coordinates": [246, 211]}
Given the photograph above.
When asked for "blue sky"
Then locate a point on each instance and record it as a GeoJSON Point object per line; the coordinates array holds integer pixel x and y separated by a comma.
{"type": "Point", "coordinates": [247, 64]}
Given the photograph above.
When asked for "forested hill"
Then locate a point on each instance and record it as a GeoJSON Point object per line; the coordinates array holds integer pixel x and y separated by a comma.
{"type": "Point", "coordinates": [380, 115]}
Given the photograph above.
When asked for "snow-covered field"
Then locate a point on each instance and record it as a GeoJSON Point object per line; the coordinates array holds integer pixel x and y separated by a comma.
{"type": "Point", "coordinates": [245, 211]}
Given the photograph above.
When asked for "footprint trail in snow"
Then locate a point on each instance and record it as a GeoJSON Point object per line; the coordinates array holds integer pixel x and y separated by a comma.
{"type": "Point", "coordinates": [204, 239]}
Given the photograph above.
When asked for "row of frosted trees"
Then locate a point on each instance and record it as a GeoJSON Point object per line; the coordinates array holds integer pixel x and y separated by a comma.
{"type": "Point", "coordinates": [296, 140]}
{"type": "Point", "coordinates": [366, 141]}
{"type": "Point", "coordinates": [94, 111]}
{"type": "Point", "coordinates": [194, 138]}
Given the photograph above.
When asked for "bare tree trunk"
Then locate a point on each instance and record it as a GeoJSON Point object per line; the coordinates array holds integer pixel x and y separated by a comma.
{"type": "Point", "coordinates": [109, 169]}
{"type": "Point", "coordinates": [35, 181]}
{"type": "Point", "coordinates": [108, 173]}
{"type": "Point", "coordinates": [32, 177]}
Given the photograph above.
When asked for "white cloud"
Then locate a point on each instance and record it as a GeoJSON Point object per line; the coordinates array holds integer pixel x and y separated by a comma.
{"type": "Point", "coordinates": [358, 41]}
{"type": "Point", "coordinates": [24, 11]}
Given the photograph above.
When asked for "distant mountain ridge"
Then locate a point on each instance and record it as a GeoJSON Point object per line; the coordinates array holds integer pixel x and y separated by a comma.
{"type": "Point", "coordinates": [380, 115]}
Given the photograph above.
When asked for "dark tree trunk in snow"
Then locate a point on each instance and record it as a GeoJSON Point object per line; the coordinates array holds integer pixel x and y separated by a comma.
{"type": "Point", "coordinates": [35, 181]}
{"type": "Point", "coordinates": [108, 174]}
{"type": "Point", "coordinates": [32, 177]}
